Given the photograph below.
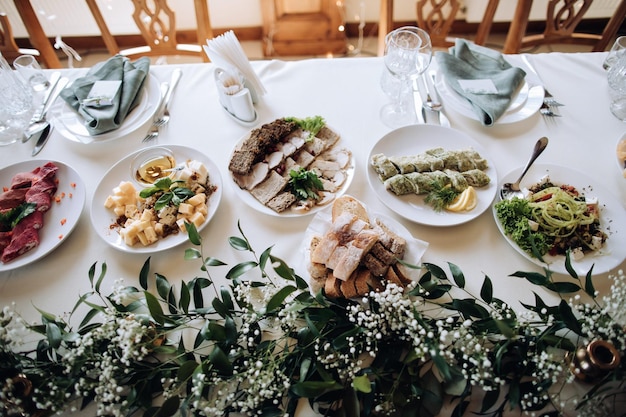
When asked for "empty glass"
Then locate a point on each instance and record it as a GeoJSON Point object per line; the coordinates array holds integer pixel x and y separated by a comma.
{"type": "Point", "coordinates": [617, 88]}
{"type": "Point", "coordinates": [29, 69]}
{"type": "Point", "coordinates": [618, 49]}
{"type": "Point", "coordinates": [16, 104]}
{"type": "Point", "coordinates": [408, 52]}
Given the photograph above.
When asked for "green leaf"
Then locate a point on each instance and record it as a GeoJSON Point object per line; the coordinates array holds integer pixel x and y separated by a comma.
{"type": "Point", "coordinates": [210, 261]}
{"type": "Point", "coordinates": [568, 318]}
{"type": "Point", "coordinates": [90, 315]}
{"type": "Point", "coordinates": [155, 308]}
{"type": "Point", "coordinates": [192, 253]}
{"type": "Point", "coordinates": [264, 257]}
{"type": "Point", "coordinates": [589, 288]}
{"type": "Point", "coordinates": [489, 400]}
{"type": "Point", "coordinates": [278, 298]}
{"type": "Point", "coordinates": [486, 291]}
{"type": "Point", "coordinates": [163, 286]}
{"type": "Point", "coordinates": [457, 274]}
{"type": "Point", "coordinates": [185, 297]}
{"type": "Point", "coordinates": [186, 370]}
{"type": "Point", "coordinates": [532, 277]}
{"type": "Point", "coordinates": [46, 316]}
{"type": "Point", "coordinates": [563, 287]}
{"type": "Point", "coordinates": [312, 389]}
{"type": "Point", "coordinates": [504, 329]}
{"type": "Point", "coordinates": [54, 334]}
{"type": "Point", "coordinates": [169, 407]}
{"type": "Point", "coordinates": [219, 359]}
{"type": "Point", "coordinates": [143, 275]}
{"type": "Point", "coordinates": [362, 383]}
{"type": "Point", "coordinates": [238, 243]}
{"type": "Point", "coordinates": [192, 234]}
{"type": "Point", "coordinates": [240, 269]}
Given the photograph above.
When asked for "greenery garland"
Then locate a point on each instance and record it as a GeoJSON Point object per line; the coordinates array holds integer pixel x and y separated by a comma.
{"type": "Point", "coordinates": [264, 342]}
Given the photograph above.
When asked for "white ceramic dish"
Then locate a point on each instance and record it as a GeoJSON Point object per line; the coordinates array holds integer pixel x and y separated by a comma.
{"type": "Point", "coordinates": [414, 139]}
{"type": "Point", "coordinates": [321, 223]}
{"type": "Point", "coordinates": [60, 220]}
{"type": "Point", "coordinates": [612, 219]}
{"type": "Point", "coordinates": [526, 102]}
{"type": "Point", "coordinates": [102, 218]}
{"type": "Point", "coordinates": [247, 198]}
{"type": "Point", "coordinates": [71, 125]}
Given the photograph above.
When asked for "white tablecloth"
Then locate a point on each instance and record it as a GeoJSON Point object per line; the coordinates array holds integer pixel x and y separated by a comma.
{"type": "Point", "coordinates": [346, 93]}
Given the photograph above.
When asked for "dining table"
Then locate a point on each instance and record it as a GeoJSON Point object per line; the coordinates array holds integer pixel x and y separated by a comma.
{"type": "Point", "coordinates": [346, 92]}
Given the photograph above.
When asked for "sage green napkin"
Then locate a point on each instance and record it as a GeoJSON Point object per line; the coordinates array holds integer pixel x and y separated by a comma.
{"type": "Point", "coordinates": [103, 119]}
{"type": "Point", "coordinates": [468, 61]}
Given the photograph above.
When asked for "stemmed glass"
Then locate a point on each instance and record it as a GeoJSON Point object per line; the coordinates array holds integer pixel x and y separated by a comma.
{"type": "Point", "coordinates": [408, 52]}
{"type": "Point", "coordinates": [16, 104]}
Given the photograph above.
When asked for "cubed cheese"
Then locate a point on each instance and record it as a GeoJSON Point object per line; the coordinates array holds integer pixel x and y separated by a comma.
{"type": "Point", "coordinates": [185, 209]}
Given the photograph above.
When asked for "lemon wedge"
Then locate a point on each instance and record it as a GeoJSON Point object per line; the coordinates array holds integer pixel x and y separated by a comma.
{"type": "Point", "coordinates": [466, 201]}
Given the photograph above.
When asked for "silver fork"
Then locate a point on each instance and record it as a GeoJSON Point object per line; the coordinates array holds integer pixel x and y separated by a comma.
{"type": "Point", "coordinates": [163, 114]}
{"type": "Point", "coordinates": [153, 132]}
{"type": "Point", "coordinates": [550, 105]}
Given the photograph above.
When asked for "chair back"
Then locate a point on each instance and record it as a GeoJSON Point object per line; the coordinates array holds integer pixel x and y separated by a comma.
{"type": "Point", "coordinates": [156, 22]}
{"type": "Point", "coordinates": [8, 47]}
{"type": "Point", "coordinates": [436, 17]}
{"type": "Point", "coordinates": [561, 26]}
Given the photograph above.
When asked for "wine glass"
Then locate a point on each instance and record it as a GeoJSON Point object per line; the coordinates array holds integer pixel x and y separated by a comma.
{"type": "Point", "coordinates": [16, 104]}
{"type": "Point", "coordinates": [408, 51]}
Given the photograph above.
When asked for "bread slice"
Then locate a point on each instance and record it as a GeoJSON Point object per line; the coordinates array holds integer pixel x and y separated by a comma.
{"type": "Point", "coordinates": [348, 288]}
{"type": "Point", "coordinates": [332, 286]}
{"type": "Point", "coordinates": [362, 281]}
{"type": "Point", "coordinates": [349, 204]}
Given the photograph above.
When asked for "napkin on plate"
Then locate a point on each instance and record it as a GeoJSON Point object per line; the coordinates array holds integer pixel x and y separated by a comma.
{"type": "Point", "coordinates": [101, 119]}
{"type": "Point", "coordinates": [482, 76]}
{"type": "Point", "coordinates": [226, 52]}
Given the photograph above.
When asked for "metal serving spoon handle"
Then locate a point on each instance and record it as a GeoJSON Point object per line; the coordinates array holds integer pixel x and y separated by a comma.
{"type": "Point", "coordinates": [508, 190]}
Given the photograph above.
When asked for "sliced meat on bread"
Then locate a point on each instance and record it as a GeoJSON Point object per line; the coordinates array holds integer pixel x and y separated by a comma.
{"type": "Point", "coordinates": [269, 188]}
{"type": "Point", "coordinates": [282, 201]}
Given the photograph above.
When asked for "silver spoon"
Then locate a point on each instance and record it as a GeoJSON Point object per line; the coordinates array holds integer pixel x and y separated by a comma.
{"type": "Point", "coordinates": [41, 122]}
{"type": "Point", "coordinates": [508, 190]}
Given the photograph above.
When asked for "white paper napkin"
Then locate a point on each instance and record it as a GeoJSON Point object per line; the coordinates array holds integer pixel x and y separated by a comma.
{"type": "Point", "coordinates": [226, 52]}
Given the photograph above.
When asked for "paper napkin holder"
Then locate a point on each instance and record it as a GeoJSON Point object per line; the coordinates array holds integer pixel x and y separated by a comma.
{"type": "Point", "coordinates": [235, 95]}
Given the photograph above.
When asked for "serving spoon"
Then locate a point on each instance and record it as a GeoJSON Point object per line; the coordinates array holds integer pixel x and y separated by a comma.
{"type": "Point", "coordinates": [510, 190]}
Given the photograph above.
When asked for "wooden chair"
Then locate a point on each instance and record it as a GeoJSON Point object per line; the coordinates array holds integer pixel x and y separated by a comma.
{"type": "Point", "coordinates": [436, 17]}
{"type": "Point", "coordinates": [8, 47]}
{"type": "Point", "coordinates": [157, 24]}
{"type": "Point", "coordinates": [38, 38]}
{"type": "Point", "coordinates": [562, 19]}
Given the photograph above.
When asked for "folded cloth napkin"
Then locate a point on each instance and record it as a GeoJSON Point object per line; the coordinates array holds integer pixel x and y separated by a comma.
{"type": "Point", "coordinates": [467, 70]}
{"type": "Point", "coordinates": [101, 119]}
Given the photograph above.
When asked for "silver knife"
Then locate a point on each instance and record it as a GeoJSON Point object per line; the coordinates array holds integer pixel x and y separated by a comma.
{"type": "Point", "coordinates": [43, 138]}
{"type": "Point", "coordinates": [432, 103]}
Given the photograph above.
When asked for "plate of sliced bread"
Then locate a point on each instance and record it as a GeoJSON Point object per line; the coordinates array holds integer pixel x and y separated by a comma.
{"type": "Point", "coordinates": [349, 251]}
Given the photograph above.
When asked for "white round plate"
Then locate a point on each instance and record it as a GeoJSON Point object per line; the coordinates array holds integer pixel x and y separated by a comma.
{"type": "Point", "coordinates": [71, 125]}
{"type": "Point", "coordinates": [415, 139]}
{"type": "Point", "coordinates": [250, 200]}
{"type": "Point", "coordinates": [60, 220]}
{"type": "Point", "coordinates": [102, 218]}
{"type": "Point", "coordinates": [321, 222]}
{"type": "Point", "coordinates": [612, 219]}
{"type": "Point", "coordinates": [620, 163]}
{"type": "Point", "coordinates": [526, 102]}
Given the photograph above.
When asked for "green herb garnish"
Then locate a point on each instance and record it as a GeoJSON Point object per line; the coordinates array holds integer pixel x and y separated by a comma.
{"type": "Point", "coordinates": [172, 192]}
{"type": "Point", "coordinates": [311, 124]}
{"type": "Point", "coordinates": [305, 184]}
{"type": "Point", "coordinates": [10, 218]}
{"type": "Point", "coordinates": [440, 196]}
